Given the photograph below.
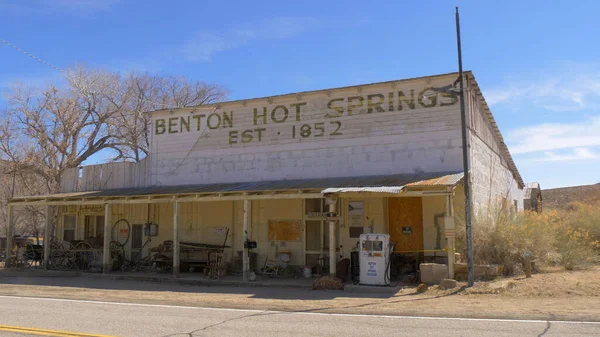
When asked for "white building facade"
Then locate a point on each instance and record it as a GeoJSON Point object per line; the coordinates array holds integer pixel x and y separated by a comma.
{"type": "Point", "coordinates": [388, 155]}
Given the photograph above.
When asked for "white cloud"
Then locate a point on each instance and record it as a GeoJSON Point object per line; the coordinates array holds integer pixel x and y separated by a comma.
{"type": "Point", "coordinates": [576, 154]}
{"type": "Point", "coordinates": [566, 89]}
{"type": "Point", "coordinates": [555, 136]}
{"type": "Point", "coordinates": [206, 43]}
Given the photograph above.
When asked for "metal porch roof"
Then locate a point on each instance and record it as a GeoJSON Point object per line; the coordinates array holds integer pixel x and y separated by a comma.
{"type": "Point", "coordinates": [395, 185]}
{"type": "Point", "coordinates": [387, 183]}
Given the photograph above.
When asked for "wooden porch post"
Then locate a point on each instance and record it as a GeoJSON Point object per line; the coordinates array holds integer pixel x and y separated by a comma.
{"type": "Point", "coordinates": [450, 232]}
{"type": "Point", "coordinates": [331, 202]}
{"type": "Point", "coordinates": [47, 236]}
{"type": "Point", "coordinates": [176, 238]}
{"type": "Point", "coordinates": [9, 236]}
{"type": "Point", "coordinates": [106, 258]}
{"type": "Point", "coordinates": [246, 236]}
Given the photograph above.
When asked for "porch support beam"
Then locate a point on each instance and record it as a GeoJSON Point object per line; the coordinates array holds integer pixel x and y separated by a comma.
{"type": "Point", "coordinates": [106, 258]}
{"type": "Point", "coordinates": [450, 232]}
{"type": "Point", "coordinates": [176, 238]}
{"type": "Point", "coordinates": [47, 236]}
{"type": "Point", "coordinates": [246, 236]}
{"type": "Point", "coordinates": [331, 201]}
{"type": "Point", "coordinates": [9, 236]}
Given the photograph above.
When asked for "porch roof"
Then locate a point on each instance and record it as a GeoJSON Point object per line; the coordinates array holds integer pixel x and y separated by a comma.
{"type": "Point", "coordinates": [277, 189]}
{"type": "Point", "coordinates": [396, 185]}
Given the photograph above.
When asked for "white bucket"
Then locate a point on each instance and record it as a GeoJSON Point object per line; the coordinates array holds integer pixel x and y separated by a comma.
{"type": "Point", "coordinates": [307, 271]}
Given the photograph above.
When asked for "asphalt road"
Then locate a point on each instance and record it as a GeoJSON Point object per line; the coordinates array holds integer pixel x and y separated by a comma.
{"type": "Point", "coordinates": [57, 317]}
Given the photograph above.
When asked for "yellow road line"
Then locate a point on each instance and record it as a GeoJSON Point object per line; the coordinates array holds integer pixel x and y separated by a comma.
{"type": "Point", "coordinates": [45, 332]}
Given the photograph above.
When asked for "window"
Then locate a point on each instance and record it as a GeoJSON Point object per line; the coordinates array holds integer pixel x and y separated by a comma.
{"type": "Point", "coordinates": [377, 246]}
{"type": "Point", "coordinates": [94, 226]}
{"type": "Point", "coordinates": [367, 246]}
{"type": "Point", "coordinates": [314, 205]}
{"type": "Point", "coordinates": [372, 246]}
{"type": "Point", "coordinates": [317, 230]}
{"type": "Point", "coordinates": [69, 225]}
{"type": "Point", "coordinates": [313, 238]}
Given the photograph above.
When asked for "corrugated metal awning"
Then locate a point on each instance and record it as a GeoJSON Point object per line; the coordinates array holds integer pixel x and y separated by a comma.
{"type": "Point", "coordinates": [377, 189]}
{"type": "Point", "coordinates": [399, 184]}
{"type": "Point", "coordinates": [392, 184]}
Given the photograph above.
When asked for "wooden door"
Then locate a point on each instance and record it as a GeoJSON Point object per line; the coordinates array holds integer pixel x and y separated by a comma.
{"type": "Point", "coordinates": [406, 223]}
{"type": "Point", "coordinates": [137, 241]}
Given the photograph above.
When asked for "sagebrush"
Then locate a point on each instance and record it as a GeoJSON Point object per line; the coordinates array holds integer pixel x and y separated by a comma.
{"type": "Point", "coordinates": [570, 238]}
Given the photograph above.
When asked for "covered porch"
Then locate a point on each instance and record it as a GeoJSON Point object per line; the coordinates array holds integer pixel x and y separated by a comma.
{"type": "Point", "coordinates": [316, 223]}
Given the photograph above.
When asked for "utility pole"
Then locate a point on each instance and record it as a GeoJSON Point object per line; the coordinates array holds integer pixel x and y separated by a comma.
{"type": "Point", "coordinates": [466, 166]}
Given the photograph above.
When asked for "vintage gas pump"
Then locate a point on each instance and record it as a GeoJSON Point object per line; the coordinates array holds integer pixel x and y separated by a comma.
{"type": "Point", "coordinates": [374, 259]}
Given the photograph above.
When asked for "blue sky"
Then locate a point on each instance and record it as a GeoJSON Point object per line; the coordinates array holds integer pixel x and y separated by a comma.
{"type": "Point", "coordinates": [536, 61]}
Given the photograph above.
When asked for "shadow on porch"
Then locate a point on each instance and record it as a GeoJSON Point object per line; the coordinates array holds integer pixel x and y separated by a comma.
{"type": "Point", "coordinates": [193, 283]}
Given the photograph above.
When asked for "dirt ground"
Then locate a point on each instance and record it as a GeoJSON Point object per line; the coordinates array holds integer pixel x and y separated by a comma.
{"type": "Point", "coordinates": [553, 295]}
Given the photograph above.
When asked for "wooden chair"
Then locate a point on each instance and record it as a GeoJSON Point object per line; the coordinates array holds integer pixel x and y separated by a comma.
{"type": "Point", "coordinates": [216, 262]}
{"type": "Point", "coordinates": [277, 267]}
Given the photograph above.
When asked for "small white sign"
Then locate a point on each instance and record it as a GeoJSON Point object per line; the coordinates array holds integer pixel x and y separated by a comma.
{"type": "Point", "coordinates": [371, 268]}
{"type": "Point", "coordinates": [356, 213]}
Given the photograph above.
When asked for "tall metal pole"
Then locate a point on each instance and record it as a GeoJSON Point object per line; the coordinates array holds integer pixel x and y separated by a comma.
{"type": "Point", "coordinates": [466, 166]}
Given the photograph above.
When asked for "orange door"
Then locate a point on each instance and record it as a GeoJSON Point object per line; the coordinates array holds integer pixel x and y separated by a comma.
{"type": "Point", "coordinates": [406, 223]}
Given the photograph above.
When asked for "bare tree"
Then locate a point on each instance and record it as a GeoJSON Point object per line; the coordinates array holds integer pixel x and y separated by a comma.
{"type": "Point", "coordinates": [29, 219]}
{"type": "Point", "coordinates": [44, 132]}
{"type": "Point", "coordinates": [148, 93]}
{"type": "Point", "coordinates": [50, 130]}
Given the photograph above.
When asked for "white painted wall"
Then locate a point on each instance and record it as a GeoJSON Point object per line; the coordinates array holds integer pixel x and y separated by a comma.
{"type": "Point", "coordinates": [265, 210]}
{"type": "Point", "coordinates": [424, 136]}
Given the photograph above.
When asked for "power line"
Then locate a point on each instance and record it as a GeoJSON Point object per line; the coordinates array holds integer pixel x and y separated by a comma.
{"type": "Point", "coordinates": [63, 71]}
{"type": "Point", "coordinates": [32, 56]}
{"type": "Point", "coordinates": [38, 59]}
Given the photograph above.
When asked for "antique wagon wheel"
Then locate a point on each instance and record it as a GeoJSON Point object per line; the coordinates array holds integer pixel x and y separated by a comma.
{"type": "Point", "coordinates": [55, 258]}
{"type": "Point", "coordinates": [54, 248]}
{"type": "Point", "coordinates": [121, 231]}
{"type": "Point", "coordinates": [63, 257]}
{"type": "Point", "coordinates": [83, 256]}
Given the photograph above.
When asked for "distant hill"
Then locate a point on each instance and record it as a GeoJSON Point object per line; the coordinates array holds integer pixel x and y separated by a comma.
{"type": "Point", "coordinates": [562, 197]}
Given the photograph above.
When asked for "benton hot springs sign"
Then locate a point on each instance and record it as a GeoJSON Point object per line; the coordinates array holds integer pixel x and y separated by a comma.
{"type": "Point", "coordinates": [250, 125]}
{"type": "Point", "coordinates": [375, 129]}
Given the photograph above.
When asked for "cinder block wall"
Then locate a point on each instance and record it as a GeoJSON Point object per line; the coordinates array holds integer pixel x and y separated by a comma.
{"type": "Point", "coordinates": [491, 177]}
{"type": "Point", "coordinates": [389, 128]}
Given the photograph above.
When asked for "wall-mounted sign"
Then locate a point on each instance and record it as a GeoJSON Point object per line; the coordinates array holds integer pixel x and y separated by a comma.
{"type": "Point", "coordinates": [356, 213]}
{"type": "Point", "coordinates": [285, 230]}
{"type": "Point", "coordinates": [151, 229]}
{"type": "Point", "coordinates": [406, 230]}
{"type": "Point", "coordinates": [371, 268]}
{"type": "Point", "coordinates": [92, 208]}
{"type": "Point", "coordinates": [221, 143]}
{"type": "Point", "coordinates": [316, 215]}
{"type": "Point", "coordinates": [355, 232]}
